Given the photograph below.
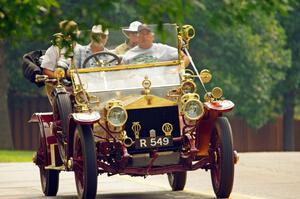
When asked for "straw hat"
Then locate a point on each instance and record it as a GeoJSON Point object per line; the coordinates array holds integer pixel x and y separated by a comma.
{"type": "Point", "coordinates": [98, 29]}
{"type": "Point", "coordinates": [69, 27]}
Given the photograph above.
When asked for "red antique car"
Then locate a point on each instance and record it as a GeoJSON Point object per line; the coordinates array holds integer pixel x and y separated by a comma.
{"type": "Point", "coordinates": [135, 119]}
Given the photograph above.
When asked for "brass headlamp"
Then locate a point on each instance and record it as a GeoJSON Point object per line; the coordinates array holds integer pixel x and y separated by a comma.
{"type": "Point", "coordinates": [116, 115]}
{"type": "Point", "coordinates": [192, 108]}
{"type": "Point", "coordinates": [188, 86]}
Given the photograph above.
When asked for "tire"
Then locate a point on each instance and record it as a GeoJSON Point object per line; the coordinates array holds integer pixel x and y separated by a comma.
{"type": "Point", "coordinates": [177, 180]}
{"type": "Point", "coordinates": [85, 164]}
{"type": "Point", "coordinates": [49, 181]}
{"type": "Point", "coordinates": [64, 109]}
{"type": "Point", "coordinates": [222, 167]}
{"type": "Point", "coordinates": [49, 178]}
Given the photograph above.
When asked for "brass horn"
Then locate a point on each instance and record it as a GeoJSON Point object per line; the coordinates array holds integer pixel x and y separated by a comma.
{"type": "Point", "coordinates": [188, 32]}
{"type": "Point", "coordinates": [128, 142]}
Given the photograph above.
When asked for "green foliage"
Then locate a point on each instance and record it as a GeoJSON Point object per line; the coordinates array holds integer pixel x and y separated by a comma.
{"type": "Point", "coordinates": [292, 28]}
{"type": "Point", "coordinates": [18, 17]}
{"type": "Point", "coordinates": [247, 58]}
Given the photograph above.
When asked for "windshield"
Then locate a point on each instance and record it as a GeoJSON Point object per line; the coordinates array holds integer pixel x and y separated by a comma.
{"type": "Point", "coordinates": [160, 76]}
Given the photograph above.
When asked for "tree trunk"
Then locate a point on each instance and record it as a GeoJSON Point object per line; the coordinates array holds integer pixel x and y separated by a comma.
{"type": "Point", "coordinates": [5, 131]}
{"type": "Point", "coordinates": [288, 122]}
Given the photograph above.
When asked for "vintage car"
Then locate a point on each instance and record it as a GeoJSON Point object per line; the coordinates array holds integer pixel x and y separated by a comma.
{"type": "Point", "coordinates": [137, 119]}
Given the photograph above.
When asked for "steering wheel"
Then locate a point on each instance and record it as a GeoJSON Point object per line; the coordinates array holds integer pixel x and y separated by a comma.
{"type": "Point", "coordinates": [101, 59]}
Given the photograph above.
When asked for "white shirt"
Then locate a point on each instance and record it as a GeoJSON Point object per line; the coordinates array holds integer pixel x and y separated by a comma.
{"type": "Point", "coordinates": [157, 52]}
{"type": "Point", "coordinates": [54, 57]}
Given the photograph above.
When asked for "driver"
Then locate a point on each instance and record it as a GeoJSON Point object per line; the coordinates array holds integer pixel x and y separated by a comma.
{"type": "Point", "coordinates": [98, 39]}
{"type": "Point", "coordinates": [146, 51]}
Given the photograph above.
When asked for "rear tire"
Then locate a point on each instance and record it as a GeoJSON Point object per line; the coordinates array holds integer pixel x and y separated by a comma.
{"type": "Point", "coordinates": [222, 167]}
{"type": "Point", "coordinates": [49, 181]}
{"type": "Point", "coordinates": [49, 178]}
{"type": "Point", "coordinates": [177, 180]}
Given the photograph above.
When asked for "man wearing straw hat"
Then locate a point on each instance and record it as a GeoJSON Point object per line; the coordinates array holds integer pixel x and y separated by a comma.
{"type": "Point", "coordinates": [98, 38]}
{"type": "Point", "coordinates": [131, 35]}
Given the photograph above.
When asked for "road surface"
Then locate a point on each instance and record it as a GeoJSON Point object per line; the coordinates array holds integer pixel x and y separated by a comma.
{"type": "Point", "coordinates": [257, 176]}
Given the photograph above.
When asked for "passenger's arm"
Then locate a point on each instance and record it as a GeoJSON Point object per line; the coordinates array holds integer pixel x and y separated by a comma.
{"type": "Point", "coordinates": [48, 72]}
{"type": "Point", "coordinates": [185, 58]}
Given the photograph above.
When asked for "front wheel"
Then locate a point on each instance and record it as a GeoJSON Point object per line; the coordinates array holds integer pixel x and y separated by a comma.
{"type": "Point", "coordinates": [177, 180]}
{"type": "Point", "coordinates": [64, 109]}
{"type": "Point", "coordinates": [85, 164]}
{"type": "Point", "coordinates": [221, 151]}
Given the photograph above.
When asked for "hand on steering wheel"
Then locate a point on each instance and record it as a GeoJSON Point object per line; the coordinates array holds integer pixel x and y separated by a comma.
{"type": "Point", "coordinates": [101, 59]}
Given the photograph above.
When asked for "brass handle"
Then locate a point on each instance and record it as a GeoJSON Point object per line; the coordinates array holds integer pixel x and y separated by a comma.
{"type": "Point", "coordinates": [41, 78]}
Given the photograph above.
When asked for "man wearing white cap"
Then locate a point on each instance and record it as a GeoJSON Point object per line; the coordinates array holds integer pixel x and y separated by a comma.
{"type": "Point", "coordinates": [146, 51]}
{"type": "Point", "coordinates": [131, 34]}
{"type": "Point", "coordinates": [98, 39]}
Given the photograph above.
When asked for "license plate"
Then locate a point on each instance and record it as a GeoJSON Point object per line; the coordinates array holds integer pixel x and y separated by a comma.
{"type": "Point", "coordinates": [153, 142]}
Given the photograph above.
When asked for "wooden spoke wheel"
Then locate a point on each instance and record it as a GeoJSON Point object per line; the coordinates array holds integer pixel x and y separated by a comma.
{"type": "Point", "coordinates": [49, 178]}
{"type": "Point", "coordinates": [221, 151]}
{"type": "Point", "coordinates": [85, 164]}
{"type": "Point", "coordinates": [177, 180]}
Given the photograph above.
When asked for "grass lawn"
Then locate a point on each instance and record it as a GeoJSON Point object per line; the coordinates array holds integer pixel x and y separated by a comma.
{"type": "Point", "coordinates": [16, 156]}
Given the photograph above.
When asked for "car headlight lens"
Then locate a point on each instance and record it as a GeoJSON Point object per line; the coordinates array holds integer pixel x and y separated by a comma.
{"type": "Point", "coordinates": [193, 109]}
{"type": "Point", "coordinates": [117, 116]}
{"type": "Point", "coordinates": [188, 87]}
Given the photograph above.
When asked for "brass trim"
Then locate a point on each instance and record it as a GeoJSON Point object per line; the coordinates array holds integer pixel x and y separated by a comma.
{"type": "Point", "coordinates": [217, 92]}
{"type": "Point", "coordinates": [185, 113]}
{"type": "Point", "coordinates": [136, 128]}
{"type": "Point", "coordinates": [51, 167]}
{"type": "Point", "coordinates": [205, 76]}
{"type": "Point", "coordinates": [143, 102]}
{"type": "Point", "coordinates": [188, 82]}
{"type": "Point", "coordinates": [123, 67]}
{"type": "Point", "coordinates": [59, 73]}
{"type": "Point", "coordinates": [52, 154]}
{"type": "Point", "coordinates": [127, 141]}
{"type": "Point", "coordinates": [186, 97]}
{"type": "Point", "coordinates": [167, 128]}
{"type": "Point", "coordinates": [110, 105]}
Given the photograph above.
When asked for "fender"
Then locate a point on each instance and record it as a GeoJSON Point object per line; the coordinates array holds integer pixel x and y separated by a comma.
{"type": "Point", "coordinates": [86, 118]}
{"type": "Point", "coordinates": [46, 137]}
{"type": "Point", "coordinates": [41, 117]}
{"type": "Point", "coordinates": [79, 118]}
{"type": "Point", "coordinates": [219, 105]}
{"type": "Point", "coordinates": [205, 126]}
